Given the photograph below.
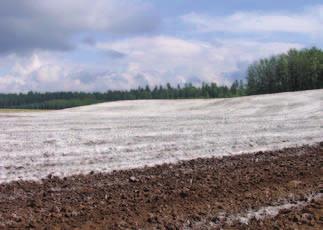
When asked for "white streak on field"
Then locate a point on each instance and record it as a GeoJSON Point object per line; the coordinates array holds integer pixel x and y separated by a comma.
{"type": "Point", "coordinates": [129, 134]}
{"type": "Point", "coordinates": [272, 211]}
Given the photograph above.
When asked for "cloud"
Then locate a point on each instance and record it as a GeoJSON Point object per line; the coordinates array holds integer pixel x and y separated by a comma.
{"type": "Point", "coordinates": [146, 60]}
{"type": "Point", "coordinates": [164, 59]}
{"type": "Point", "coordinates": [53, 24]}
{"type": "Point", "coordinates": [89, 41]}
{"type": "Point", "coordinates": [309, 21]}
{"type": "Point", "coordinates": [32, 73]}
{"type": "Point", "coordinates": [113, 53]}
{"type": "Point", "coordinates": [115, 47]}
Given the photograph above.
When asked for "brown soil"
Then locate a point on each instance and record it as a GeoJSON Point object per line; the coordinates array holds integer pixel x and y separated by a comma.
{"type": "Point", "coordinates": [196, 194]}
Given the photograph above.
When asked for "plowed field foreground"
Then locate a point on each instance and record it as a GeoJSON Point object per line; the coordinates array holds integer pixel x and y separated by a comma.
{"type": "Point", "coordinates": [263, 190]}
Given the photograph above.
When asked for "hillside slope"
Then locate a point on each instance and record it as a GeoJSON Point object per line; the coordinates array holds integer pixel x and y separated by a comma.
{"type": "Point", "coordinates": [130, 134]}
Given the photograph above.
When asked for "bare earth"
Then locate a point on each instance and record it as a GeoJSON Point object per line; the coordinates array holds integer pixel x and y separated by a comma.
{"type": "Point", "coordinates": [265, 190]}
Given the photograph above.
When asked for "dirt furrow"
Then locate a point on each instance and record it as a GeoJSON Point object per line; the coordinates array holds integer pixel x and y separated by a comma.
{"type": "Point", "coordinates": [196, 194]}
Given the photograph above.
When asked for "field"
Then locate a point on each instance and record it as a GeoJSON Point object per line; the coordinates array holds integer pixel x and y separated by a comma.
{"type": "Point", "coordinates": [128, 135]}
{"type": "Point", "coordinates": [122, 135]}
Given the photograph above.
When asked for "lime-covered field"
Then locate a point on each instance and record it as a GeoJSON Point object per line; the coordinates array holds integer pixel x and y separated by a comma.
{"type": "Point", "coordinates": [130, 134]}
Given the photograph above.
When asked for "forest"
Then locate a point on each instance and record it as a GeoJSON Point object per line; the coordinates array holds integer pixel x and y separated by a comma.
{"type": "Point", "coordinates": [292, 71]}
{"type": "Point", "coordinates": [61, 100]}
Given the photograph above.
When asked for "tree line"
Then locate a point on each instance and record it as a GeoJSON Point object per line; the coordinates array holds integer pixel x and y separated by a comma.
{"type": "Point", "coordinates": [295, 70]}
{"type": "Point", "coordinates": [61, 100]}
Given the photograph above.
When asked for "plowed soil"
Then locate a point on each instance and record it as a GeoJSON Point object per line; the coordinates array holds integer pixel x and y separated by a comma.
{"type": "Point", "coordinates": [198, 194]}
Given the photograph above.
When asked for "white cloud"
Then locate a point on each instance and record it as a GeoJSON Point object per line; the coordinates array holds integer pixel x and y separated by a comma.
{"type": "Point", "coordinates": [310, 21]}
{"type": "Point", "coordinates": [147, 60]}
{"type": "Point", "coordinates": [37, 72]}
{"type": "Point", "coordinates": [164, 59]}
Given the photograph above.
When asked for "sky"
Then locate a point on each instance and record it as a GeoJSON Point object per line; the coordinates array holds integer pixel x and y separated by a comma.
{"type": "Point", "coordinates": [100, 45]}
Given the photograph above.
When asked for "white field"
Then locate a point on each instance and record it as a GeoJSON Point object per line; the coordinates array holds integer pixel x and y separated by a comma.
{"type": "Point", "coordinates": [129, 134]}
